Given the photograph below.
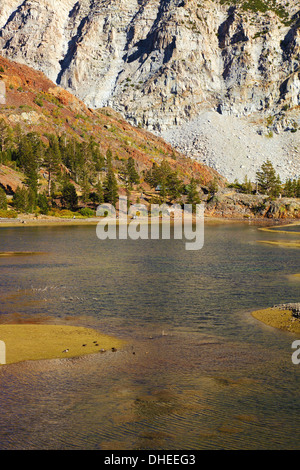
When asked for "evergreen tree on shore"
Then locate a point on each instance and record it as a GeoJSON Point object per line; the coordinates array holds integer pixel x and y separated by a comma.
{"type": "Point", "coordinates": [52, 159]}
{"type": "Point", "coordinates": [267, 179]}
{"type": "Point", "coordinates": [110, 187]}
{"type": "Point", "coordinates": [3, 199]}
{"type": "Point", "coordinates": [69, 196]}
{"type": "Point", "coordinates": [132, 176]}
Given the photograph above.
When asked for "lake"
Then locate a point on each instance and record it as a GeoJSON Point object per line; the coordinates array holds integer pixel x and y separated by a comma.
{"type": "Point", "coordinates": [197, 372]}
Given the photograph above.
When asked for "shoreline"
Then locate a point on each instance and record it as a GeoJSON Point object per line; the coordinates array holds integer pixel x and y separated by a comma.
{"type": "Point", "coordinates": [31, 221]}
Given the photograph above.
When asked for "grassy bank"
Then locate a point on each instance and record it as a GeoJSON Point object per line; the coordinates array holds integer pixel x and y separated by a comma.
{"type": "Point", "coordinates": [29, 342]}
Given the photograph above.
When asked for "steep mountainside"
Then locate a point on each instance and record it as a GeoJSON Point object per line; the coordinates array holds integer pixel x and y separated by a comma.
{"type": "Point", "coordinates": [162, 63]}
{"type": "Point", "coordinates": [35, 104]}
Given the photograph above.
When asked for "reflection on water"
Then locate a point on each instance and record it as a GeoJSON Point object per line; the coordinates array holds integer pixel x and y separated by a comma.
{"type": "Point", "coordinates": [198, 372]}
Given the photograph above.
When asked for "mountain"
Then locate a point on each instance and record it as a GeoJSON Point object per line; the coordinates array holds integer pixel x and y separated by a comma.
{"type": "Point", "coordinates": [188, 70]}
{"type": "Point", "coordinates": [36, 106]}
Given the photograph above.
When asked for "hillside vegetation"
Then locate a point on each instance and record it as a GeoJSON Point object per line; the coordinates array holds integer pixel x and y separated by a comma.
{"type": "Point", "coordinates": [55, 153]}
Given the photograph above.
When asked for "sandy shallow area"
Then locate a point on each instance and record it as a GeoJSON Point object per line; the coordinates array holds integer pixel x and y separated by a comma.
{"type": "Point", "coordinates": [283, 243]}
{"type": "Point", "coordinates": [44, 221]}
{"type": "Point", "coordinates": [273, 229]}
{"type": "Point", "coordinates": [18, 253]}
{"type": "Point", "coordinates": [29, 342]}
{"type": "Point", "coordinates": [277, 318]}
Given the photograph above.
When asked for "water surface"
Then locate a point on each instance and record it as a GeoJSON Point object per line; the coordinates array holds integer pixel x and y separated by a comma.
{"type": "Point", "coordinates": [198, 372]}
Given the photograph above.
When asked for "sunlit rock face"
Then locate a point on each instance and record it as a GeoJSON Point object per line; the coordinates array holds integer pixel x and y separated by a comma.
{"type": "Point", "coordinates": [162, 63]}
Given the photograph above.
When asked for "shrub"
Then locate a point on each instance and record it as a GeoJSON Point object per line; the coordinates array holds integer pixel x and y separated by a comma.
{"type": "Point", "coordinates": [87, 212]}
{"type": "Point", "coordinates": [39, 101]}
{"type": "Point", "coordinates": [64, 213]}
{"type": "Point", "coordinates": [6, 214]}
{"type": "Point", "coordinates": [213, 186]}
{"type": "Point", "coordinates": [260, 207]}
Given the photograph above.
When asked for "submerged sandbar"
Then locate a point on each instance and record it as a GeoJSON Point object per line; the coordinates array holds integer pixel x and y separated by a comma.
{"type": "Point", "coordinates": [288, 244]}
{"type": "Point", "coordinates": [19, 253]}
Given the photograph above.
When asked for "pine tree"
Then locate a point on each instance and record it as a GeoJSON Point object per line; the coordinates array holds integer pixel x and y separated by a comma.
{"type": "Point", "coordinates": [288, 188]}
{"type": "Point", "coordinates": [167, 180]}
{"type": "Point", "coordinates": [247, 186]}
{"type": "Point", "coordinates": [109, 157]}
{"type": "Point", "coordinates": [99, 193]}
{"type": "Point", "coordinates": [174, 185]}
{"type": "Point", "coordinates": [268, 181]}
{"type": "Point", "coordinates": [297, 188]}
{"type": "Point", "coordinates": [20, 199]}
{"type": "Point", "coordinates": [86, 188]}
{"type": "Point", "coordinates": [110, 188]}
{"type": "Point", "coordinates": [72, 158]}
{"type": "Point", "coordinates": [29, 159]}
{"type": "Point", "coordinates": [42, 202]}
{"type": "Point", "coordinates": [292, 188]}
{"type": "Point", "coordinates": [110, 185]}
{"type": "Point", "coordinates": [52, 159]}
{"type": "Point", "coordinates": [5, 139]}
{"type": "Point", "coordinates": [193, 194]}
{"type": "Point", "coordinates": [132, 175]}
{"type": "Point", "coordinates": [3, 199]}
{"type": "Point", "coordinates": [31, 200]}
{"type": "Point", "coordinates": [277, 187]}
{"type": "Point", "coordinates": [69, 196]}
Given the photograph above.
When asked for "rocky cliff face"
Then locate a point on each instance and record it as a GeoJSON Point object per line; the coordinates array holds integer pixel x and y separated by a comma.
{"type": "Point", "coordinates": [245, 206]}
{"type": "Point", "coordinates": [161, 63]}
